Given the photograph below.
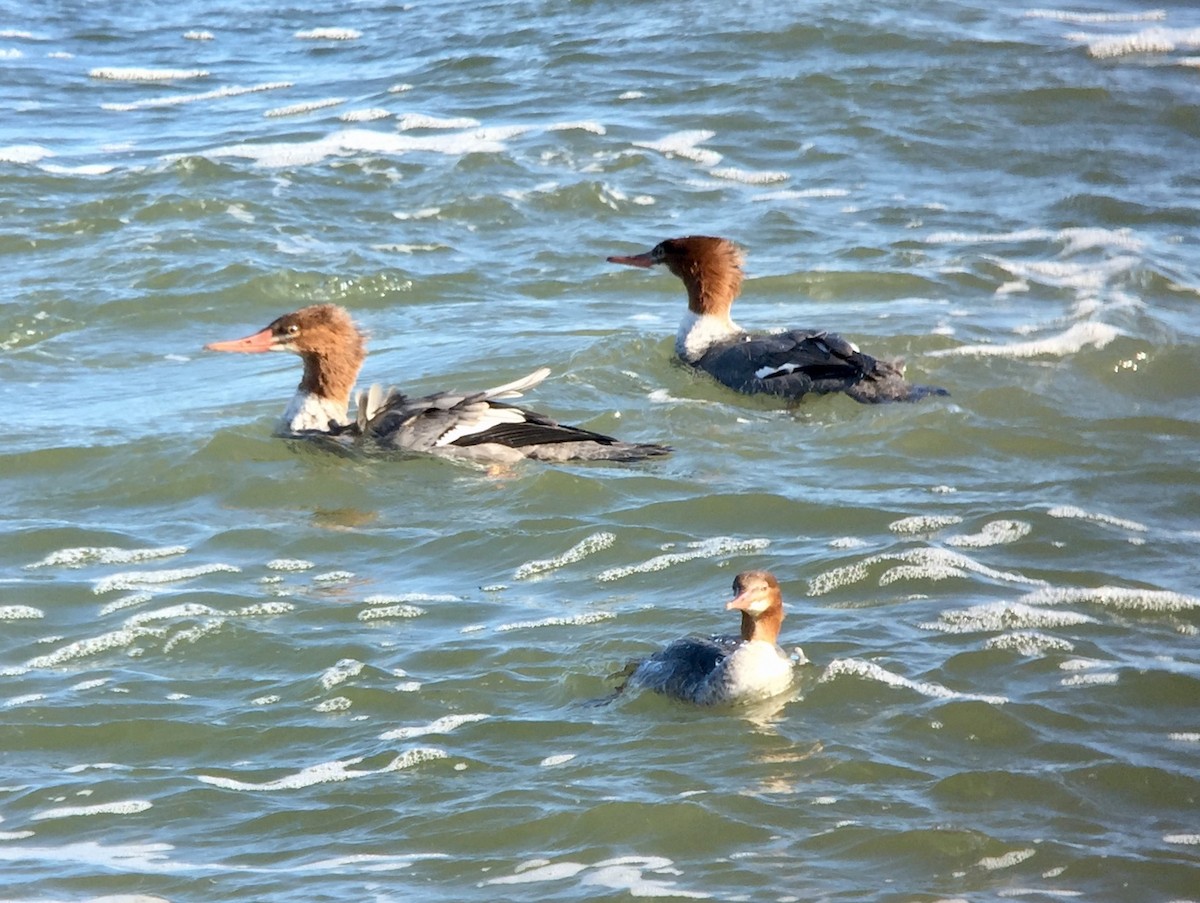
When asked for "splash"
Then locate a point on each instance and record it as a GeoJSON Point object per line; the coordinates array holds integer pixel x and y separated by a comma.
{"type": "Point", "coordinates": [870, 671]}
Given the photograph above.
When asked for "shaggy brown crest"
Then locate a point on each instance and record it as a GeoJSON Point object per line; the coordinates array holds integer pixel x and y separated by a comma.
{"type": "Point", "coordinates": [710, 267]}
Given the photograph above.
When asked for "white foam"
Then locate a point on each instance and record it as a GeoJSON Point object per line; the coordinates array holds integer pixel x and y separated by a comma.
{"type": "Point", "coordinates": [591, 544]}
{"type": "Point", "coordinates": [296, 109]}
{"type": "Point", "coordinates": [142, 579]}
{"type": "Point", "coordinates": [388, 612]}
{"type": "Point", "coordinates": [1189, 839]}
{"type": "Point", "coordinates": [327, 772]}
{"type": "Point", "coordinates": [1071, 511]}
{"type": "Point", "coordinates": [625, 873]}
{"type": "Point", "coordinates": [871, 671]}
{"type": "Point", "coordinates": [341, 672]}
{"type": "Point", "coordinates": [592, 617]}
{"type": "Point", "coordinates": [582, 126]}
{"type": "Point", "coordinates": [1185, 736]}
{"type": "Point", "coordinates": [1097, 679]}
{"type": "Point", "coordinates": [115, 639]}
{"type": "Point", "coordinates": [1006, 861]}
{"type": "Point", "coordinates": [329, 34]}
{"type": "Point", "coordinates": [86, 555]}
{"type": "Point", "coordinates": [995, 616]}
{"type": "Point", "coordinates": [177, 99]}
{"type": "Point", "coordinates": [934, 560]}
{"type": "Point", "coordinates": [708, 548]}
{"type": "Point", "coordinates": [1073, 340]}
{"type": "Point", "coordinates": [1074, 18]}
{"type": "Point", "coordinates": [1119, 597]}
{"type": "Point", "coordinates": [423, 213]}
{"type": "Point", "coordinates": [24, 700]}
{"type": "Point", "coordinates": [442, 725]}
{"type": "Point", "coordinates": [1150, 40]}
{"type": "Point", "coordinates": [24, 153]}
{"type": "Point", "coordinates": [683, 144]}
{"type": "Point", "coordinates": [146, 75]}
{"type": "Point", "coordinates": [923, 523]}
{"type": "Point", "coordinates": [336, 704]}
{"type": "Point", "coordinates": [351, 141]}
{"type": "Point", "coordinates": [930, 572]}
{"type": "Point", "coordinates": [125, 602]}
{"type": "Point", "coordinates": [748, 176]}
{"type": "Point", "coordinates": [289, 564]}
{"type": "Point", "coordinates": [265, 609]}
{"type": "Point", "coordinates": [799, 194]}
{"type": "Point", "coordinates": [127, 807]}
{"type": "Point", "coordinates": [333, 577]}
{"type": "Point", "coordinates": [365, 115]}
{"type": "Point", "coordinates": [198, 35]}
{"type": "Point", "coordinates": [561, 759]}
{"type": "Point", "coordinates": [410, 121]}
{"type": "Point", "coordinates": [20, 613]}
{"type": "Point", "coordinates": [173, 613]}
{"type": "Point", "coordinates": [1029, 643]}
{"type": "Point", "coordinates": [998, 532]}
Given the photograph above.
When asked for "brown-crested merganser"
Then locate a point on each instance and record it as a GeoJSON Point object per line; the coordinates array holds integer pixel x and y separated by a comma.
{"type": "Point", "coordinates": [793, 363]}
{"type": "Point", "coordinates": [726, 669]}
{"type": "Point", "coordinates": [476, 426]}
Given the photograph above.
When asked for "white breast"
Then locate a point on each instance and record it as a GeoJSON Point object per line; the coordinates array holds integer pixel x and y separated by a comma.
{"type": "Point", "coordinates": [756, 670]}
{"type": "Point", "coordinates": [312, 412]}
{"type": "Point", "coordinates": [699, 332]}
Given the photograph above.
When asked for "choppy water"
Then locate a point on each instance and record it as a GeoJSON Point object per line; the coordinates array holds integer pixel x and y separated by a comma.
{"type": "Point", "coordinates": [233, 669]}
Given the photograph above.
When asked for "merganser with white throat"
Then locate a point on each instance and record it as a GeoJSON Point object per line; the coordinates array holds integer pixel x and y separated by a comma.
{"type": "Point", "coordinates": [726, 669]}
{"type": "Point", "coordinates": [792, 364]}
{"type": "Point", "coordinates": [476, 426]}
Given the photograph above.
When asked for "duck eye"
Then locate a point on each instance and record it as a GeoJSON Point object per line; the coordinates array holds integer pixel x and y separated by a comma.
{"type": "Point", "coordinates": [293, 329]}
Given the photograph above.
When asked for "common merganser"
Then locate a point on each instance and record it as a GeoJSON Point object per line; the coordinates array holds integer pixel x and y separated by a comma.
{"type": "Point", "coordinates": [792, 363]}
{"type": "Point", "coordinates": [476, 426]}
{"type": "Point", "coordinates": [726, 669]}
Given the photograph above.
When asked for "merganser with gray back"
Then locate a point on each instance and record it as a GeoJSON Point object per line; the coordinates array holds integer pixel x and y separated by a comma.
{"type": "Point", "coordinates": [792, 364]}
{"type": "Point", "coordinates": [477, 426]}
{"type": "Point", "coordinates": [726, 669]}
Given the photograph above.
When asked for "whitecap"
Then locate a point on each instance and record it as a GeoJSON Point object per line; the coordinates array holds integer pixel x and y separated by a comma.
{"type": "Point", "coordinates": [442, 725]}
{"type": "Point", "coordinates": [748, 176]}
{"type": "Point", "coordinates": [1007, 860]}
{"type": "Point", "coordinates": [560, 759]}
{"type": "Point", "coordinates": [1119, 597]}
{"type": "Point", "coordinates": [198, 35]}
{"type": "Point", "coordinates": [1150, 40]}
{"type": "Point", "coordinates": [588, 546]}
{"type": "Point", "coordinates": [410, 121]}
{"type": "Point", "coordinates": [347, 142]}
{"type": "Point", "coordinates": [995, 616]}
{"type": "Point", "coordinates": [707, 548]}
{"type": "Point", "coordinates": [335, 704]}
{"type": "Point", "coordinates": [923, 523]}
{"type": "Point", "coordinates": [871, 671]}
{"type": "Point", "coordinates": [995, 533]}
{"type": "Point", "coordinates": [341, 672]}
{"type": "Point", "coordinates": [364, 115]}
{"type": "Point", "coordinates": [126, 807]}
{"type": "Point", "coordinates": [327, 772]}
{"type": "Point", "coordinates": [683, 144]}
{"type": "Point", "coordinates": [329, 34]}
{"type": "Point", "coordinates": [133, 580]}
{"type": "Point", "coordinates": [1072, 512]}
{"type": "Point", "coordinates": [20, 613]}
{"type": "Point", "coordinates": [388, 612]}
{"type": "Point", "coordinates": [177, 99]}
{"type": "Point", "coordinates": [1073, 340]}
{"type": "Point", "coordinates": [592, 617]}
{"type": "Point", "coordinates": [296, 109]}
{"type": "Point", "coordinates": [1074, 18]}
{"type": "Point", "coordinates": [933, 560]}
{"type": "Point", "coordinates": [1029, 643]}
{"type": "Point", "coordinates": [82, 556]}
{"type": "Point", "coordinates": [583, 126]}
{"type": "Point", "coordinates": [130, 74]}
{"type": "Point", "coordinates": [289, 564]}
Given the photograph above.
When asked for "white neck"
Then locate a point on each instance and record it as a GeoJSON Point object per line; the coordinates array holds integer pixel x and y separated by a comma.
{"type": "Point", "coordinates": [699, 332]}
{"type": "Point", "coordinates": [312, 412]}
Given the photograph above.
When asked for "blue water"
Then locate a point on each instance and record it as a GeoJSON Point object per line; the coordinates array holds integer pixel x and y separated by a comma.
{"type": "Point", "coordinates": [232, 668]}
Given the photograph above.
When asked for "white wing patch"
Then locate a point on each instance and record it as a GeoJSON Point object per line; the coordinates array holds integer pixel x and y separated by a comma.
{"type": "Point", "coordinates": [768, 372]}
{"type": "Point", "coordinates": [483, 422]}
